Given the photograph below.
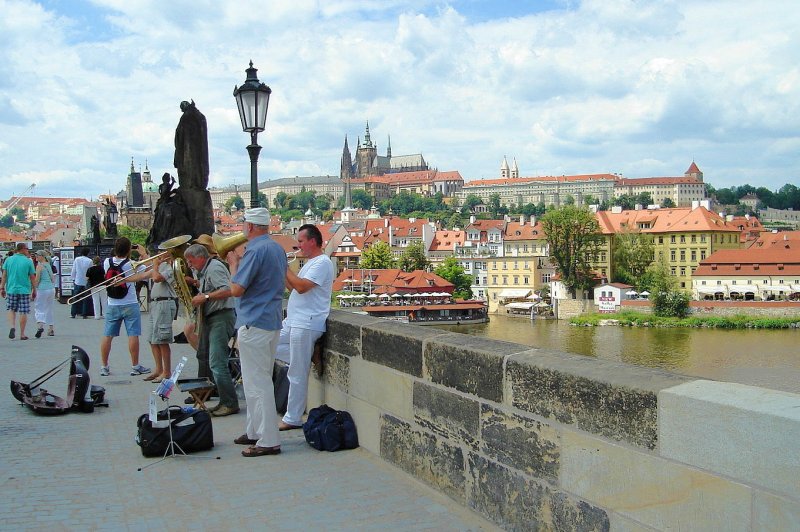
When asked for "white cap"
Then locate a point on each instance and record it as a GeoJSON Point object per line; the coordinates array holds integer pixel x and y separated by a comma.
{"type": "Point", "coordinates": [257, 216]}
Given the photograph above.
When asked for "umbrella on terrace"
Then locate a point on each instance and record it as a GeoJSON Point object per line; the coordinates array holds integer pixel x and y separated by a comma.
{"type": "Point", "coordinates": [645, 293]}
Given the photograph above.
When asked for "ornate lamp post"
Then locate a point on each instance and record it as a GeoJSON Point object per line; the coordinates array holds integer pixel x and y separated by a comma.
{"type": "Point", "coordinates": [111, 217]}
{"type": "Point", "coordinates": [252, 99]}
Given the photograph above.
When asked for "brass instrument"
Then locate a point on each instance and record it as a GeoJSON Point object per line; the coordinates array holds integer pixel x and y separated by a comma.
{"type": "Point", "coordinates": [226, 244]}
{"type": "Point", "coordinates": [175, 247]}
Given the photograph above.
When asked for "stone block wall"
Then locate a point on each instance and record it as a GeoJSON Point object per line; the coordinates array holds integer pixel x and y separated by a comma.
{"type": "Point", "coordinates": [533, 439]}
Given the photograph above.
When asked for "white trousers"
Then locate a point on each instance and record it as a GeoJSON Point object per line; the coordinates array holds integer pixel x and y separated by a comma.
{"type": "Point", "coordinates": [98, 300]}
{"type": "Point", "coordinates": [296, 347]}
{"type": "Point", "coordinates": [257, 356]}
{"type": "Point", "coordinates": [43, 306]}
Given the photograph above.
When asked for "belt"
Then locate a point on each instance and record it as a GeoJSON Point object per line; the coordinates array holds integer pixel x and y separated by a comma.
{"type": "Point", "coordinates": [164, 299]}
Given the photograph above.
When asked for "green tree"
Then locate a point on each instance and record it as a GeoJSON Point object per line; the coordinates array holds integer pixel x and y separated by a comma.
{"type": "Point", "coordinates": [668, 203]}
{"type": "Point", "coordinates": [378, 256]}
{"type": "Point", "coordinates": [413, 258]}
{"type": "Point", "coordinates": [361, 200]}
{"type": "Point", "coordinates": [305, 199]}
{"type": "Point", "coordinates": [573, 236]}
{"type": "Point", "coordinates": [7, 221]}
{"type": "Point", "coordinates": [262, 199]}
{"type": "Point", "coordinates": [644, 199]}
{"type": "Point", "coordinates": [494, 204]}
{"type": "Point", "coordinates": [455, 221]}
{"type": "Point", "coordinates": [134, 234]}
{"type": "Point", "coordinates": [452, 271]}
{"type": "Point", "coordinates": [632, 255]}
{"type": "Point", "coordinates": [18, 213]}
{"type": "Point", "coordinates": [569, 200]}
{"type": "Point", "coordinates": [234, 202]}
{"type": "Point", "coordinates": [280, 200]}
{"type": "Point", "coordinates": [667, 300]}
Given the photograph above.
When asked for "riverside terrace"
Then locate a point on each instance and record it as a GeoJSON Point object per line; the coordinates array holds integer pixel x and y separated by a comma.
{"type": "Point", "coordinates": [79, 471]}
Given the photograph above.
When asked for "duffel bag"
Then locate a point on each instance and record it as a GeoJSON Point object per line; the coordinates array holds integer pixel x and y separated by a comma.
{"type": "Point", "coordinates": [191, 430]}
{"type": "Point", "coordinates": [327, 429]}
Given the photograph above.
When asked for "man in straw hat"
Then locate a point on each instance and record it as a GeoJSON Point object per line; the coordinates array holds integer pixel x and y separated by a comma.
{"type": "Point", "coordinates": [258, 282]}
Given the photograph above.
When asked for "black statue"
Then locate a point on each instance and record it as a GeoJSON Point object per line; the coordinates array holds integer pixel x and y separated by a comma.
{"type": "Point", "coordinates": [172, 217]}
{"type": "Point", "coordinates": [95, 229]}
{"type": "Point", "coordinates": [165, 188]}
{"type": "Point", "coordinates": [191, 148]}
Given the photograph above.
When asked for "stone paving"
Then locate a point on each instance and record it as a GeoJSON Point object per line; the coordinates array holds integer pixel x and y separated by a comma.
{"type": "Point", "coordinates": [81, 471]}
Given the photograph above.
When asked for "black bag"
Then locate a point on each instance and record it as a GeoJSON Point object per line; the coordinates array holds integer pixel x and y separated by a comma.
{"type": "Point", "coordinates": [327, 429]}
{"type": "Point", "coordinates": [114, 270]}
{"type": "Point", "coordinates": [280, 382]}
{"type": "Point", "coordinates": [190, 430]}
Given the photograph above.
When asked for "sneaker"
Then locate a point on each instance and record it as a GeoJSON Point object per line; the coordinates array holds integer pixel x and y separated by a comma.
{"type": "Point", "coordinates": [139, 370]}
{"type": "Point", "coordinates": [11, 333]}
{"type": "Point", "coordinates": [105, 371]}
{"type": "Point", "coordinates": [39, 332]}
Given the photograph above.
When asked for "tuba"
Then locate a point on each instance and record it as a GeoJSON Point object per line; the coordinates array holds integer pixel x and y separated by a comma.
{"type": "Point", "coordinates": [176, 246]}
{"type": "Point", "coordinates": [226, 244]}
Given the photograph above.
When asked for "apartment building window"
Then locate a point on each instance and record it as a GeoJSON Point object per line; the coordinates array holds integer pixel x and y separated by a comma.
{"type": "Point", "coordinates": [673, 271]}
{"type": "Point", "coordinates": [505, 265]}
{"type": "Point", "coordinates": [672, 239]}
{"type": "Point", "coordinates": [683, 239]}
{"type": "Point", "coordinates": [508, 248]}
{"type": "Point", "coordinates": [683, 272]}
{"type": "Point", "coordinates": [525, 265]}
{"type": "Point", "coordinates": [683, 255]}
{"type": "Point", "coordinates": [719, 283]}
{"type": "Point", "coordinates": [694, 255]}
{"type": "Point", "coordinates": [525, 279]}
{"type": "Point", "coordinates": [505, 279]}
{"type": "Point", "coordinates": [672, 255]}
{"type": "Point", "coordinates": [694, 239]}
{"type": "Point", "coordinates": [702, 254]}
{"type": "Point", "coordinates": [516, 279]}
{"type": "Point", "coordinates": [661, 240]}
{"type": "Point", "coordinates": [702, 238]}
{"type": "Point", "coordinates": [602, 256]}
{"type": "Point", "coordinates": [494, 279]}
{"type": "Point", "coordinates": [546, 277]}
{"type": "Point", "coordinates": [524, 248]}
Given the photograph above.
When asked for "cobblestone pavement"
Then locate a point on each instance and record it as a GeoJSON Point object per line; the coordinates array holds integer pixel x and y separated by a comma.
{"type": "Point", "coordinates": [80, 471]}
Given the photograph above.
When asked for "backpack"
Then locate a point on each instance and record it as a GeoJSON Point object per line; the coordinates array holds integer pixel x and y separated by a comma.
{"type": "Point", "coordinates": [116, 292]}
{"type": "Point", "coordinates": [327, 429]}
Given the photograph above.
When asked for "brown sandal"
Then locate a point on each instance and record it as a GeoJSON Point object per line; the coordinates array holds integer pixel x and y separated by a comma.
{"type": "Point", "coordinates": [255, 450]}
{"type": "Point", "coordinates": [244, 440]}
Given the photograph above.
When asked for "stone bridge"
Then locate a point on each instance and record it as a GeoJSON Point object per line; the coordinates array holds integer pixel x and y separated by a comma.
{"type": "Point", "coordinates": [535, 439]}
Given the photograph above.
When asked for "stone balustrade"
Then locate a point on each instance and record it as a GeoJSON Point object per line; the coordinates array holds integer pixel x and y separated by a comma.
{"type": "Point", "coordinates": [541, 440]}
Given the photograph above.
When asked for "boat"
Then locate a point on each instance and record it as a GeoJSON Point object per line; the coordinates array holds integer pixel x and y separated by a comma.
{"type": "Point", "coordinates": [458, 312]}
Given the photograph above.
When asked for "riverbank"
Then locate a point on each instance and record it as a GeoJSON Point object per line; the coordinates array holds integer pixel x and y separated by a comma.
{"type": "Point", "coordinates": [639, 319]}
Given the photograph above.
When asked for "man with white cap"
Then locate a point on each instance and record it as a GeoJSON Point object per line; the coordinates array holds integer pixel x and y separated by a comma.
{"type": "Point", "coordinates": [258, 281]}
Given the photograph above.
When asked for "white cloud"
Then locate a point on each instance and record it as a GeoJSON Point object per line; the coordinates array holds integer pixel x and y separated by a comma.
{"type": "Point", "coordinates": [638, 87]}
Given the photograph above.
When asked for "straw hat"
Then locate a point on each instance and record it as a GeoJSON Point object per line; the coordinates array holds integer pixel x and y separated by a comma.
{"type": "Point", "coordinates": [207, 242]}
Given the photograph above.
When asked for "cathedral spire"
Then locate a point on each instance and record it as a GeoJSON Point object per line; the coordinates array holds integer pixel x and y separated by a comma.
{"type": "Point", "coordinates": [389, 147]}
{"type": "Point", "coordinates": [367, 140]}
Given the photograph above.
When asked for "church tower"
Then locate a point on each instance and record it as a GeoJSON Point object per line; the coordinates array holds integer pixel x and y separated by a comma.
{"type": "Point", "coordinates": [515, 169]}
{"type": "Point", "coordinates": [346, 171]}
{"type": "Point", "coordinates": [366, 153]}
{"type": "Point", "coordinates": [133, 187]}
{"type": "Point", "coordinates": [504, 171]}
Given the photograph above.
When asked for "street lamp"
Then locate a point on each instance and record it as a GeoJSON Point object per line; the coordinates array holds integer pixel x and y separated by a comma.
{"type": "Point", "coordinates": [252, 99]}
{"type": "Point", "coordinates": [112, 215]}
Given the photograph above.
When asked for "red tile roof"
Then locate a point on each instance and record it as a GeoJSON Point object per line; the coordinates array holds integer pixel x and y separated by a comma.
{"type": "Point", "coordinates": [394, 280]}
{"type": "Point", "coordinates": [548, 179]}
{"type": "Point", "coordinates": [679, 220]}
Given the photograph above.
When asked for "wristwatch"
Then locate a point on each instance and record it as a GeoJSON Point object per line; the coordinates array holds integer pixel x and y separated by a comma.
{"type": "Point", "coordinates": [207, 297]}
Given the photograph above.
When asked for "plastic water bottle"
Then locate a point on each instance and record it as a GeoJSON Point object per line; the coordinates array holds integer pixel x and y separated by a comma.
{"type": "Point", "coordinates": [166, 386]}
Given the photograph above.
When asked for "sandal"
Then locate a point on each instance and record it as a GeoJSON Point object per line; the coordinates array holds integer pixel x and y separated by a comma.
{"type": "Point", "coordinates": [23, 337]}
{"type": "Point", "coordinates": [151, 377]}
{"type": "Point", "coordinates": [51, 333]}
{"type": "Point", "coordinates": [156, 380]}
{"type": "Point", "coordinates": [255, 450]}
{"type": "Point", "coordinates": [244, 440]}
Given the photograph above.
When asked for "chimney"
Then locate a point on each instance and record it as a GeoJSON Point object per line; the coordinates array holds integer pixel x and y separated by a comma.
{"type": "Point", "coordinates": [386, 222]}
{"type": "Point", "coordinates": [472, 218]}
{"type": "Point", "coordinates": [695, 204]}
{"type": "Point", "coordinates": [533, 220]}
{"type": "Point", "coordinates": [637, 207]}
{"type": "Point", "coordinates": [521, 219]}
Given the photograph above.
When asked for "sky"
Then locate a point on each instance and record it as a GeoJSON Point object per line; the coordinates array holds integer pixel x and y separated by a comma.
{"type": "Point", "coordinates": [635, 87]}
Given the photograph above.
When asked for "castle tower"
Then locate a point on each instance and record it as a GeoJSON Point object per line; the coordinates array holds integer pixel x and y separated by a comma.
{"type": "Point", "coordinates": [366, 154]}
{"type": "Point", "coordinates": [504, 171]}
{"type": "Point", "coordinates": [515, 169]}
{"type": "Point", "coordinates": [694, 172]}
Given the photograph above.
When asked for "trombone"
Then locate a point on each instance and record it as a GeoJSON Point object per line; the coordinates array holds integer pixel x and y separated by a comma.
{"type": "Point", "coordinates": [172, 246]}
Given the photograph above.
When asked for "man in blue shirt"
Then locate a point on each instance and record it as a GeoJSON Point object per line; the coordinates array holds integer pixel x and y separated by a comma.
{"type": "Point", "coordinates": [258, 282]}
{"type": "Point", "coordinates": [18, 289]}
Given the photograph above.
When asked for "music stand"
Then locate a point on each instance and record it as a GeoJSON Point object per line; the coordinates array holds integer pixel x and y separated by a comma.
{"type": "Point", "coordinates": [172, 445]}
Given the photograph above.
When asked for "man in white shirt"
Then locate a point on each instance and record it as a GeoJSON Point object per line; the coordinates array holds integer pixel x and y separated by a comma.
{"type": "Point", "coordinates": [80, 282]}
{"type": "Point", "coordinates": [306, 314]}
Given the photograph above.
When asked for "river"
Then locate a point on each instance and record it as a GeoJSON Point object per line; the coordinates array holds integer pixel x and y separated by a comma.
{"type": "Point", "coordinates": [767, 358]}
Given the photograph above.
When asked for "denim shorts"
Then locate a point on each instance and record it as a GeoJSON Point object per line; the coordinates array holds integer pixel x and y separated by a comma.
{"type": "Point", "coordinates": [116, 314]}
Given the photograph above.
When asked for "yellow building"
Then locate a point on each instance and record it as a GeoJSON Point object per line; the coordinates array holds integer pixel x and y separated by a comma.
{"type": "Point", "coordinates": [521, 269]}
{"type": "Point", "coordinates": [683, 236]}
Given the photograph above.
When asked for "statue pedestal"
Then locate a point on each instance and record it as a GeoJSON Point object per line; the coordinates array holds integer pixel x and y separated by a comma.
{"type": "Point", "coordinates": [199, 210]}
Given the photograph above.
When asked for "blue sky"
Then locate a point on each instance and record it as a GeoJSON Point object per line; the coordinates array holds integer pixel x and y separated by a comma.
{"type": "Point", "coordinates": [635, 87]}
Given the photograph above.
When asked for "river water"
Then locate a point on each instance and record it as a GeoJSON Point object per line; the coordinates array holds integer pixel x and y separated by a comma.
{"type": "Point", "coordinates": [767, 358]}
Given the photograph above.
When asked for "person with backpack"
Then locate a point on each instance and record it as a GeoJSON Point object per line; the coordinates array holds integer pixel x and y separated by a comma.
{"type": "Point", "coordinates": [95, 275]}
{"type": "Point", "coordinates": [123, 306]}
